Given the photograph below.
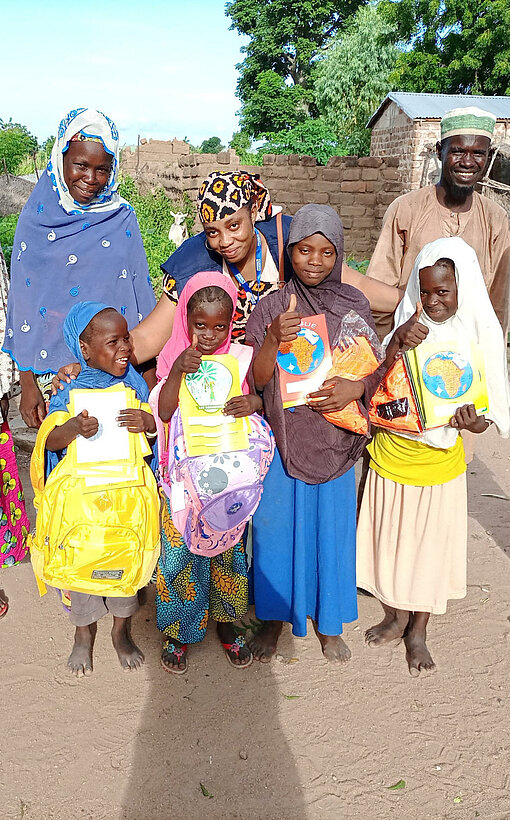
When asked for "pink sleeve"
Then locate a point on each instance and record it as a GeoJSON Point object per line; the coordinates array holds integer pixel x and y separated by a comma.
{"type": "Point", "coordinates": [244, 355]}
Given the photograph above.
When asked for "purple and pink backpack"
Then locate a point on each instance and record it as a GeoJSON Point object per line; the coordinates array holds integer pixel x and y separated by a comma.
{"type": "Point", "coordinates": [212, 497]}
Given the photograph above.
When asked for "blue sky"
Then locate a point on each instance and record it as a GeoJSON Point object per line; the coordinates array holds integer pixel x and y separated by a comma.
{"type": "Point", "coordinates": [161, 69]}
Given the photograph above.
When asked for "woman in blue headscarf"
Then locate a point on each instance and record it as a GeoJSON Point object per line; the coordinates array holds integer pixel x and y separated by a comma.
{"type": "Point", "coordinates": [76, 238]}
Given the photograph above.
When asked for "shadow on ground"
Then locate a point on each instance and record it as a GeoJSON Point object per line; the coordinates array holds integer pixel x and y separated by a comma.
{"type": "Point", "coordinates": [493, 514]}
{"type": "Point", "coordinates": [196, 729]}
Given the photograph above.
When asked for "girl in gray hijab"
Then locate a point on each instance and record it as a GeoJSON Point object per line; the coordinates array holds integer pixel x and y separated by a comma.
{"type": "Point", "coordinates": [304, 531]}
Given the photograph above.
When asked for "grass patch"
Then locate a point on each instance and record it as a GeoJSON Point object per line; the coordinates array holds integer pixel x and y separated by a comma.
{"type": "Point", "coordinates": [7, 230]}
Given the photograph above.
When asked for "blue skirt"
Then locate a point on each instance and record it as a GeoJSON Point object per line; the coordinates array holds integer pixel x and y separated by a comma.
{"type": "Point", "coordinates": [304, 551]}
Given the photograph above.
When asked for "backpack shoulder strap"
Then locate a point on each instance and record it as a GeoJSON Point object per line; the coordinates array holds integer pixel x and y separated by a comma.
{"type": "Point", "coordinates": [38, 456]}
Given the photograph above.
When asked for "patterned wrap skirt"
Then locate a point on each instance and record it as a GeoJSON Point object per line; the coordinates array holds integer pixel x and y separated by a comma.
{"type": "Point", "coordinates": [191, 588]}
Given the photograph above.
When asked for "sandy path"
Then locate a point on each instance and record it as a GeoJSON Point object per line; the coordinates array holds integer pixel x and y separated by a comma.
{"type": "Point", "coordinates": [121, 746]}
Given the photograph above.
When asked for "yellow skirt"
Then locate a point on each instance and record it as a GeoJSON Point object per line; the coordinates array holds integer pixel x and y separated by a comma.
{"type": "Point", "coordinates": [412, 543]}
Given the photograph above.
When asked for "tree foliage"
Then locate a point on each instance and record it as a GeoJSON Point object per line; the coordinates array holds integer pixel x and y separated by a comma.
{"type": "Point", "coordinates": [212, 145]}
{"type": "Point", "coordinates": [273, 106]}
{"type": "Point", "coordinates": [47, 145]}
{"type": "Point", "coordinates": [285, 37]}
{"type": "Point", "coordinates": [352, 79]}
{"type": "Point", "coordinates": [7, 231]}
{"type": "Point", "coordinates": [16, 142]}
{"type": "Point", "coordinates": [456, 46]}
{"type": "Point", "coordinates": [313, 138]}
{"type": "Point", "coordinates": [241, 144]}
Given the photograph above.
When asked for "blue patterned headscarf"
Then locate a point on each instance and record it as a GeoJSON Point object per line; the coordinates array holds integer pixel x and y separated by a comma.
{"type": "Point", "coordinates": [64, 251]}
{"type": "Point", "coordinates": [86, 124]}
{"type": "Point", "coordinates": [78, 318]}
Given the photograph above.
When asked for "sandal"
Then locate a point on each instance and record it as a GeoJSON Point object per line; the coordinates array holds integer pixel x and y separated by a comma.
{"type": "Point", "coordinates": [4, 606]}
{"type": "Point", "coordinates": [235, 648]}
{"type": "Point", "coordinates": [170, 650]}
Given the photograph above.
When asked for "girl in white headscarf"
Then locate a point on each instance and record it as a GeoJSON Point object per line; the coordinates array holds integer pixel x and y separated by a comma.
{"type": "Point", "coordinates": [412, 530]}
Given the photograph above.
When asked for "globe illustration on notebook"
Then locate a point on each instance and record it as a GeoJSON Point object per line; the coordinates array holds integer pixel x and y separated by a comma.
{"type": "Point", "coordinates": [447, 375]}
{"type": "Point", "coordinates": [303, 355]}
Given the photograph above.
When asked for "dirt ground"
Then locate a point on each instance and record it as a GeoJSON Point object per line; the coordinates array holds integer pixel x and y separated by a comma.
{"type": "Point", "coordinates": [296, 739]}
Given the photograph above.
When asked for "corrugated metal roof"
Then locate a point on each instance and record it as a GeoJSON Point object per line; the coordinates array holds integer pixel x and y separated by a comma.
{"type": "Point", "coordinates": [435, 106]}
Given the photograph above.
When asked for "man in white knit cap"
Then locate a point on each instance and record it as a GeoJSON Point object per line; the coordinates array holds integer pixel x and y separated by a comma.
{"type": "Point", "coordinates": [450, 208]}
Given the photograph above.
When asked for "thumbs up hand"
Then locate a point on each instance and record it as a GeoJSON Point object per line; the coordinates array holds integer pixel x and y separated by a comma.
{"type": "Point", "coordinates": [286, 326]}
{"type": "Point", "coordinates": [190, 359]}
{"type": "Point", "coordinates": [408, 335]}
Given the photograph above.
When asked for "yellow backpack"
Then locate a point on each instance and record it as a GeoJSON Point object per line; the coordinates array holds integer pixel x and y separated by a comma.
{"type": "Point", "coordinates": [103, 541]}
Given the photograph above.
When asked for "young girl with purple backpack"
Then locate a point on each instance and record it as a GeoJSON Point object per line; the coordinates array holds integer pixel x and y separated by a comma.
{"type": "Point", "coordinates": [203, 570]}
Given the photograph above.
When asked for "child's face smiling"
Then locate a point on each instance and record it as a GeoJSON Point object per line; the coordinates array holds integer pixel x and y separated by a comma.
{"type": "Point", "coordinates": [313, 259]}
{"type": "Point", "coordinates": [109, 347]}
{"type": "Point", "coordinates": [438, 291]}
{"type": "Point", "coordinates": [210, 323]}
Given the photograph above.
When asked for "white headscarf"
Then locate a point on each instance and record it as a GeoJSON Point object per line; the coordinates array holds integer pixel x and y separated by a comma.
{"type": "Point", "coordinates": [96, 125]}
{"type": "Point", "coordinates": [474, 321]}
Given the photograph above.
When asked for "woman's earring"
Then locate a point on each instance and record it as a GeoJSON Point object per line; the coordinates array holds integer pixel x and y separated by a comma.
{"type": "Point", "coordinates": [207, 245]}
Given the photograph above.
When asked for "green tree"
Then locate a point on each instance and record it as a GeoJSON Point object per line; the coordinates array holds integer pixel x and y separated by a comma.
{"type": "Point", "coordinates": [154, 214]}
{"type": "Point", "coordinates": [16, 142]}
{"type": "Point", "coordinates": [212, 145]}
{"type": "Point", "coordinates": [7, 231]}
{"type": "Point", "coordinates": [455, 46]}
{"type": "Point", "coordinates": [272, 106]}
{"type": "Point", "coordinates": [352, 79]}
{"type": "Point", "coordinates": [241, 144]}
{"type": "Point", "coordinates": [313, 138]}
{"type": "Point", "coordinates": [285, 38]}
{"type": "Point", "coordinates": [47, 146]}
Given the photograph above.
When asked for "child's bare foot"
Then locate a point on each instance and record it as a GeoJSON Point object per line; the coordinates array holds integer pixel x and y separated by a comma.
{"type": "Point", "coordinates": [80, 659]}
{"type": "Point", "coordinates": [391, 628]}
{"type": "Point", "coordinates": [173, 656]}
{"type": "Point", "coordinates": [418, 656]}
{"type": "Point", "coordinates": [131, 658]}
{"type": "Point", "coordinates": [264, 643]}
{"type": "Point", "coordinates": [4, 603]}
{"type": "Point", "coordinates": [236, 649]}
{"type": "Point", "coordinates": [334, 648]}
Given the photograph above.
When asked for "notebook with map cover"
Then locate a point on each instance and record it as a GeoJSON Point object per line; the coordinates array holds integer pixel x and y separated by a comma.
{"type": "Point", "coordinates": [445, 376]}
{"type": "Point", "coordinates": [303, 364]}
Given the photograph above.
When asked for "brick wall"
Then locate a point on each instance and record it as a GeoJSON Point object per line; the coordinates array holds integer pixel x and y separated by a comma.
{"type": "Point", "coordinates": [392, 136]}
{"type": "Point", "coordinates": [360, 189]}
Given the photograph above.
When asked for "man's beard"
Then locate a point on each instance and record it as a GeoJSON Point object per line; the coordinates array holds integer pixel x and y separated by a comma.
{"type": "Point", "coordinates": [459, 193]}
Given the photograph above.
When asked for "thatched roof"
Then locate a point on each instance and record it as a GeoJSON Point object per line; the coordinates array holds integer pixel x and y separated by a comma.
{"type": "Point", "coordinates": [14, 192]}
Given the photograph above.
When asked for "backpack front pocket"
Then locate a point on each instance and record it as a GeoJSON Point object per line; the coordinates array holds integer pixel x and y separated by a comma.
{"type": "Point", "coordinates": [89, 557]}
